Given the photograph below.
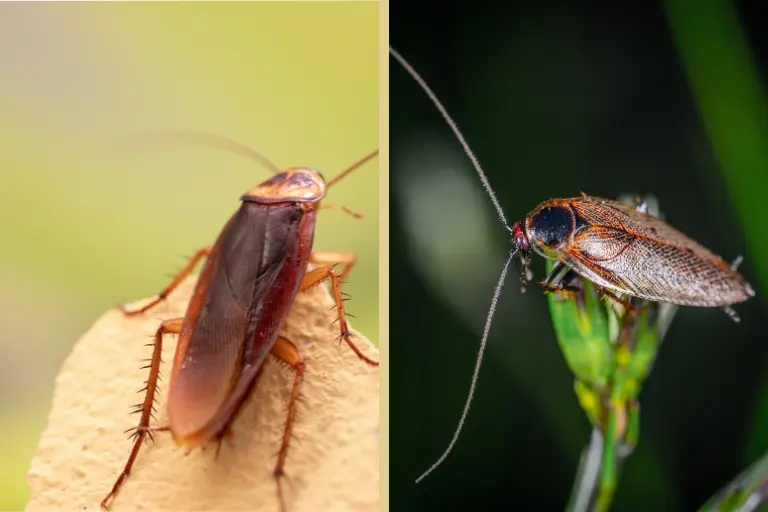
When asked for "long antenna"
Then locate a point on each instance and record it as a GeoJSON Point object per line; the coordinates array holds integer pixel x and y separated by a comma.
{"type": "Point", "coordinates": [476, 373]}
{"type": "Point", "coordinates": [206, 140]}
{"type": "Point", "coordinates": [352, 168]}
{"type": "Point", "coordinates": [448, 119]}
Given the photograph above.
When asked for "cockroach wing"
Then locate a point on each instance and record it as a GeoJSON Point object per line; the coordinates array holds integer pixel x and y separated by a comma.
{"type": "Point", "coordinates": [632, 252]}
{"type": "Point", "coordinates": [239, 304]}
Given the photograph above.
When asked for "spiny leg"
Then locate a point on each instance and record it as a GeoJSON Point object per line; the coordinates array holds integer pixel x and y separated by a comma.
{"type": "Point", "coordinates": [329, 259]}
{"type": "Point", "coordinates": [199, 255]}
{"type": "Point", "coordinates": [316, 276]}
{"type": "Point", "coordinates": [285, 351]}
{"type": "Point", "coordinates": [143, 429]}
{"type": "Point", "coordinates": [629, 308]}
{"type": "Point", "coordinates": [559, 281]}
{"type": "Point", "coordinates": [557, 268]}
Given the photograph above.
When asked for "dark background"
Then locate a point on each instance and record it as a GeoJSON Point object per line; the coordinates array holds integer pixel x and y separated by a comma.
{"type": "Point", "coordinates": [558, 98]}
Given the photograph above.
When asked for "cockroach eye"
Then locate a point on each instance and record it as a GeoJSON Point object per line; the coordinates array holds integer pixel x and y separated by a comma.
{"type": "Point", "coordinates": [551, 226]}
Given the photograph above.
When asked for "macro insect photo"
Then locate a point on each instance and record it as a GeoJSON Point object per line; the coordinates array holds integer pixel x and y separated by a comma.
{"type": "Point", "coordinates": [624, 152]}
{"type": "Point", "coordinates": [190, 212]}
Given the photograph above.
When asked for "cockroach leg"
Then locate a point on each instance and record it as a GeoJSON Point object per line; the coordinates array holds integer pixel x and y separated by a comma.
{"type": "Point", "coordinates": [199, 255]}
{"type": "Point", "coordinates": [558, 280]}
{"type": "Point", "coordinates": [343, 326]}
{"type": "Point", "coordinates": [143, 429]}
{"type": "Point", "coordinates": [641, 204]}
{"type": "Point", "coordinates": [732, 314]}
{"type": "Point", "coordinates": [344, 209]}
{"type": "Point", "coordinates": [288, 353]}
{"type": "Point", "coordinates": [609, 294]}
{"type": "Point", "coordinates": [728, 309]}
{"type": "Point", "coordinates": [557, 269]}
{"type": "Point", "coordinates": [331, 259]}
{"type": "Point", "coordinates": [316, 276]}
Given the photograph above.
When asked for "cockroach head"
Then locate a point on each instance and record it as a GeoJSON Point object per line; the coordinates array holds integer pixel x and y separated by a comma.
{"type": "Point", "coordinates": [523, 247]}
{"type": "Point", "coordinates": [520, 239]}
{"type": "Point", "coordinates": [299, 185]}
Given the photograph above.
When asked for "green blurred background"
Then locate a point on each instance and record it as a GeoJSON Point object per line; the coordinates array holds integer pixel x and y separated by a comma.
{"type": "Point", "coordinates": [85, 226]}
{"type": "Point", "coordinates": [555, 98]}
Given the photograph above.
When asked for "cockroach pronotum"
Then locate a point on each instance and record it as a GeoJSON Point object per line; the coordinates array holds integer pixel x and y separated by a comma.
{"type": "Point", "coordinates": [621, 249]}
{"type": "Point", "coordinates": [240, 302]}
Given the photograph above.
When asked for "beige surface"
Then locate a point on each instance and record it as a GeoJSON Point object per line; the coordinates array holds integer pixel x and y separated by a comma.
{"type": "Point", "coordinates": [332, 465]}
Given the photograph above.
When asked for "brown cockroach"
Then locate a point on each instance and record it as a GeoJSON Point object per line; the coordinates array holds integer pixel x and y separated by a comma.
{"type": "Point", "coordinates": [620, 248]}
{"type": "Point", "coordinates": [249, 280]}
{"type": "Point", "coordinates": [627, 251]}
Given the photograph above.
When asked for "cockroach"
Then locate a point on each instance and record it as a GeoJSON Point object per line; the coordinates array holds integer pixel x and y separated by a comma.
{"type": "Point", "coordinates": [242, 297]}
{"type": "Point", "coordinates": [620, 248]}
{"type": "Point", "coordinates": [627, 251]}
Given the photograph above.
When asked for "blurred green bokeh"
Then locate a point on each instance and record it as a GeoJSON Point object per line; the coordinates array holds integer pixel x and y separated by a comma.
{"type": "Point", "coordinates": [85, 226]}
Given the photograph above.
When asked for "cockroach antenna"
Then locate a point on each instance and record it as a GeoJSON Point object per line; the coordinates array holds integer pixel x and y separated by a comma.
{"type": "Point", "coordinates": [476, 372]}
{"type": "Point", "coordinates": [502, 277]}
{"type": "Point", "coordinates": [448, 119]}
{"type": "Point", "coordinates": [197, 139]}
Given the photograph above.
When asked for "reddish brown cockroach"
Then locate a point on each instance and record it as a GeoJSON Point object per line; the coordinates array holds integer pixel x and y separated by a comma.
{"type": "Point", "coordinates": [245, 290]}
{"type": "Point", "coordinates": [627, 251]}
{"type": "Point", "coordinates": [620, 248]}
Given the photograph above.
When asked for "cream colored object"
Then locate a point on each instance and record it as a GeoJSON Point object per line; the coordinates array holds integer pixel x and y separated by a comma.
{"type": "Point", "coordinates": [333, 464]}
